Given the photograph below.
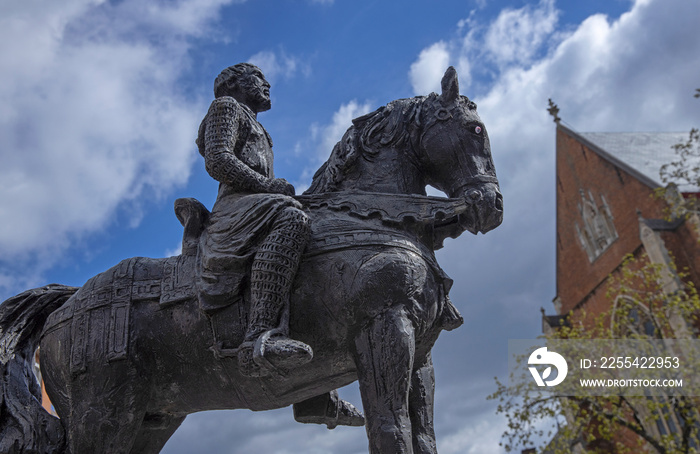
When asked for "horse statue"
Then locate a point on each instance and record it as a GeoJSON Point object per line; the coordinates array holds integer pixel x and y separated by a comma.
{"type": "Point", "coordinates": [127, 356]}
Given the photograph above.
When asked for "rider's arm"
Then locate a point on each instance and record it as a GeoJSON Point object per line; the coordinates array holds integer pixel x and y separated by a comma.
{"type": "Point", "coordinates": [220, 137]}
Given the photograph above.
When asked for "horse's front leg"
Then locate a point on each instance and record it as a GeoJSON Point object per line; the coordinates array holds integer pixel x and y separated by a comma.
{"type": "Point", "coordinates": [384, 352]}
{"type": "Point", "coordinates": [421, 402]}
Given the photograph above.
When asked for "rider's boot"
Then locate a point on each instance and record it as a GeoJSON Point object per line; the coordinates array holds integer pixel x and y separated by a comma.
{"type": "Point", "coordinates": [266, 347]}
{"type": "Point", "coordinates": [328, 409]}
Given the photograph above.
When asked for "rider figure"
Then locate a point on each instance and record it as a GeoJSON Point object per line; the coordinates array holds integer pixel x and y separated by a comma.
{"type": "Point", "coordinates": [254, 219]}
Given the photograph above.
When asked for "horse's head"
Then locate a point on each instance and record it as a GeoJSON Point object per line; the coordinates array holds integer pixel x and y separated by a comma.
{"type": "Point", "coordinates": [455, 154]}
{"type": "Point", "coordinates": [401, 147]}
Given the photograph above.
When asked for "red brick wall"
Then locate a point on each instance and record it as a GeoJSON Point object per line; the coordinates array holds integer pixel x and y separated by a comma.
{"type": "Point", "coordinates": [579, 167]}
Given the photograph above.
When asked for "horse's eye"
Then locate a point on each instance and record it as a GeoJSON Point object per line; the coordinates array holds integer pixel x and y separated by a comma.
{"type": "Point", "coordinates": [477, 129]}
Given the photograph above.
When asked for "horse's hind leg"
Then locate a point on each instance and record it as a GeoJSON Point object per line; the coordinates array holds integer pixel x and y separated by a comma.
{"type": "Point", "coordinates": [155, 431]}
{"type": "Point", "coordinates": [384, 357]}
{"type": "Point", "coordinates": [421, 402]}
{"type": "Point", "coordinates": [101, 407]}
{"type": "Point", "coordinates": [107, 409]}
{"type": "Point", "coordinates": [94, 428]}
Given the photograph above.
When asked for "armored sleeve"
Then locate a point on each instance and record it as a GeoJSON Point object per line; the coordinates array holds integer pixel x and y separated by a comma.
{"type": "Point", "coordinates": [221, 130]}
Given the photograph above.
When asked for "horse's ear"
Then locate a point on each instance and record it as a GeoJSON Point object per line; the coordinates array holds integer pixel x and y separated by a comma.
{"type": "Point", "coordinates": [450, 85]}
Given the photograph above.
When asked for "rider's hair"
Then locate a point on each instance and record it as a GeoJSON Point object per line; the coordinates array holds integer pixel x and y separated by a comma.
{"type": "Point", "coordinates": [223, 80]}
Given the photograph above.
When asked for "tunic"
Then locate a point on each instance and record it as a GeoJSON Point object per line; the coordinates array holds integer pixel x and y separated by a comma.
{"type": "Point", "coordinates": [238, 153]}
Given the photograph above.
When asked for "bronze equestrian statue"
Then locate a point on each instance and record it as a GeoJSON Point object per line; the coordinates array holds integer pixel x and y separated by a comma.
{"type": "Point", "coordinates": [355, 292]}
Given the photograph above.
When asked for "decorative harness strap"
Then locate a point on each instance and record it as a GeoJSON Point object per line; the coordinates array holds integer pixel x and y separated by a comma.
{"type": "Point", "coordinates": [393, 208]}
{"type": "Point", "coordinates": [395, 212]}
{"type": "Point", "coordinates": [351, 239]}
{"type": "Point", "coordinates": [439, 217]}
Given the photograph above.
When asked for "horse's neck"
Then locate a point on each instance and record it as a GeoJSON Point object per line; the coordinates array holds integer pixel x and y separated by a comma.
{"type": "Point", "coordinates": [391, 173]}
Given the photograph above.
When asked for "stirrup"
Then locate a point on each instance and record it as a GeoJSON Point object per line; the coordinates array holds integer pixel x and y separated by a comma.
{"type": "Point", "coordinates": [259, 352]}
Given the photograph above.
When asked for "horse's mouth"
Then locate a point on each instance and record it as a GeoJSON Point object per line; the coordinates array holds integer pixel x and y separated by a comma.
{"type": "Point", "coordinates": [493, 217]}
{"type": "Point", "coordinates": [484, 213]}
{"type": "Point", "coordinates": [492, 225]}
{"type": "Point", "coordinates": [483, 218]}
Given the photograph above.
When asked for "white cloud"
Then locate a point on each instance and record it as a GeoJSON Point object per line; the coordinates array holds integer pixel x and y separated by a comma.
{"type": "Point", "coordinates": [480, 437]}
{"type": "Point", "coordinates": [324, 137]}
{"type": "Point", "coordinates": [91, 115]}
{"type": "Point", "coordinates": [278, 65]}
{"type": "Point", "coordinates": [517, 34]}
{"type": "Point", "coordinates": [328, 135]}
{"type": "Point", "coordinates": [177, 250]}
{"type": "Point", "coordinates": [426, 72]}
{"type": "Point", "coordinates": [515, 38]}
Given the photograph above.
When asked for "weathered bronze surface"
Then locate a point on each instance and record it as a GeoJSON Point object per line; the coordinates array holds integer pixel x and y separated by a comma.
{"type": "Point", "coordinates": [347, 288]}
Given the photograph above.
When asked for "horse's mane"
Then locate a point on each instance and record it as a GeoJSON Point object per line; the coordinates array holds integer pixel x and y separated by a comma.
{"type": "Point", "coordinates": [384, 128]}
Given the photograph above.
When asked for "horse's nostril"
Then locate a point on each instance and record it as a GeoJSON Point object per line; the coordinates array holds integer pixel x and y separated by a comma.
{"type": "Point", "coordinates": [499, 202]}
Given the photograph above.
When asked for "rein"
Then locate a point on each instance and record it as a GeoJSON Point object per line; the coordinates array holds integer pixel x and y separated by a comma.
{"type": "Point", "coordinates": [393, 208]}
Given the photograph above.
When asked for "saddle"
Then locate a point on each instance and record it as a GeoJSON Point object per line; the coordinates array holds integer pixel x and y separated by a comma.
{"type": "Point", "coordinates": [229, 323]}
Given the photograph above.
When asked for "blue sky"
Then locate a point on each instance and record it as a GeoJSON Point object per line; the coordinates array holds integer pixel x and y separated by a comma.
{"type": "Point", "coordinates": [100, 103]}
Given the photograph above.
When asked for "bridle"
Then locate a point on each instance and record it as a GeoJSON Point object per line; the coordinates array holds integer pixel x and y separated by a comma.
{"type": "Point", "coordinates": [442, 114]}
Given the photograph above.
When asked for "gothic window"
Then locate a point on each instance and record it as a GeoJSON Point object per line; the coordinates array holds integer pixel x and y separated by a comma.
{"type": "Point", "coordinates": [630, 319]}
{"type": "Point", "coordinates": [596, 231]}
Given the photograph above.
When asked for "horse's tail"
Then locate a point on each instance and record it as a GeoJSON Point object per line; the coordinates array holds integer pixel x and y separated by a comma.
{"type": "Point", "coordinates": [25, 426]}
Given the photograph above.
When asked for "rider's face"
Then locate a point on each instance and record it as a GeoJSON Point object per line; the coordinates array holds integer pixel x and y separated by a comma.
{"type": "Point", "coordinates": [257, 91]}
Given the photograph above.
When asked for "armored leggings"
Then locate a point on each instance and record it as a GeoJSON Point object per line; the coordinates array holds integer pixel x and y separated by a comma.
{"type": "Point", "coordinates": [274, 267]}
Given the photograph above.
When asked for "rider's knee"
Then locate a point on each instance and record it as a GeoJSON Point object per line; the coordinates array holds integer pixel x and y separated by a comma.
{"type": "Point", "coordinates": [293, 216]}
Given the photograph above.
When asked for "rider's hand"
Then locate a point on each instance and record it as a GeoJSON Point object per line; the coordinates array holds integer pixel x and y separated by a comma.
{"type": "Point", "coordinates": [282, 186]}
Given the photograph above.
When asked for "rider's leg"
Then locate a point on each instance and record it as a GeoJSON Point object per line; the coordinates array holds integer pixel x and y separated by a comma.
{"type": "Point", "coordinates": [274, 267]}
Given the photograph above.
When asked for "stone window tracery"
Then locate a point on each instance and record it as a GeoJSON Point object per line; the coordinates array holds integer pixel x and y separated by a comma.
{"type": "Point", "coordinates": [597, 231]}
